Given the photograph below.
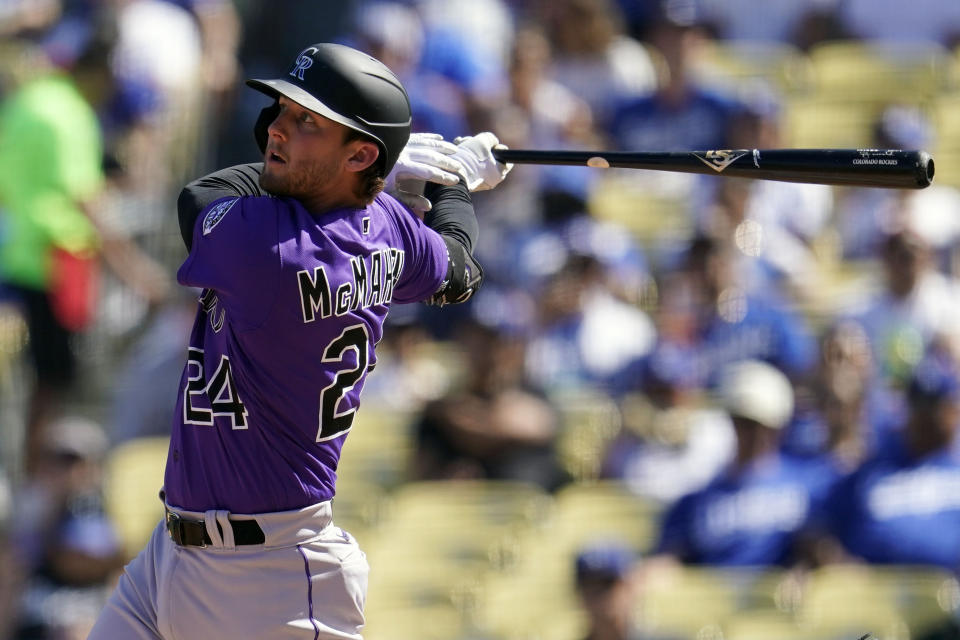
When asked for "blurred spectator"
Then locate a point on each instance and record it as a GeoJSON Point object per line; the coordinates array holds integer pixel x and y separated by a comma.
{"type": "Point", "coordinates": [916, 305]}
{"type": "Point", "coordinates": [469, 41]}
{"type": "Point", "coordinates": [670, 443]}
{"type": "Point", "coordinates": [69, 546]}
{"type": "Point", "coordinates": [840, 415]}
{"type": "Point", "coordinates": [148, 376]}
{"type": "Point", "coordinates": [412, 368]}
{"type": "Point", "coordinates": [680, 113]}
{"type": "Point", "coordinates": [50, 179]}
{"type": "Point", "coordinates": [394, 33]}
{"type": "Point", "coordinates": [583, 333]}
{"type": "Point", "coordinates": [539, 113]}
{"type": "Point", "coordinates": [902, 506]}
{"type": "Point", "coordinates": [593, 57]}
{"type": "Point", "coordinates": [607, 590]}
{"type": "Point", "coordinates": [706, 307]}
{"type": "Point", "coordinates": [755, 511]}
{"type": "Point", "coordinates": [220, 33]}
{"type": "Point", "coordinates": [773, 223]}
{"type": "Point", "coordinates": [497, 426]}
{"type": "Point", "coordinates": [11, 576]}
{"type": "Point", "coordinates": [864, 217]}
{"type": "Point", "coordinates": [25, 17]}
{"type": "Point", "coordinates": [156, 118]}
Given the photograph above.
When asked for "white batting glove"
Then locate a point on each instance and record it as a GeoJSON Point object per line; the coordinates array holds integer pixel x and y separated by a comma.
{"type": "Point", "coordinates": [481, 169]}
{"type": "Point", "coordinates": [427, 157]}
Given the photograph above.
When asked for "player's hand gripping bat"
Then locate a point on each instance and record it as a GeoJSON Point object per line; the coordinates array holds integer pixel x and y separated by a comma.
{"type": "Point", "coordinates": [886, 168]}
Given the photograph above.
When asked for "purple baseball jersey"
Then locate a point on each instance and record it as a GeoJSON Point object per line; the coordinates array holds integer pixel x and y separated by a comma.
{"type": "Point", "coordinates": [291, 307]}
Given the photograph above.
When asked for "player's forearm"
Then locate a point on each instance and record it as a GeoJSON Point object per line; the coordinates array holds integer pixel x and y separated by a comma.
{"type": "Point", "coordinates": [452, 214]}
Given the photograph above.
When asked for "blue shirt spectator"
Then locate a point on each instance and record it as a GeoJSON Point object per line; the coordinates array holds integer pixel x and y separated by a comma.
{"type": "Point", "coordinates": [903, 506]}
{"type": "Point", "coordinates": [707, 306]}
{"type": "Point", "coordinates": [755, 512]}
{"type": "Point", "coordinates": [652, 123]}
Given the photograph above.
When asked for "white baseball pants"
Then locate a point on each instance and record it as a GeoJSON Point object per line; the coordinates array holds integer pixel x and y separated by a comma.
{"type": "Point", "coordinates": [307, 580]}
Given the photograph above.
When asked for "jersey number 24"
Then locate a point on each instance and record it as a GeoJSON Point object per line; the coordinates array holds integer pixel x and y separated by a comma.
{"type": "Point", "coordinates": [223, 398]}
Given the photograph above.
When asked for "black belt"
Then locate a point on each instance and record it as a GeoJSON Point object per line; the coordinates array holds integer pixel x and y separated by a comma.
{"type": "Point", "coordinates": [193, 533]}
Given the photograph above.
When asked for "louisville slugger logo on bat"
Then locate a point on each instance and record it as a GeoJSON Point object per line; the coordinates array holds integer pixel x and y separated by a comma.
{"type": "Point", "coordinates": [720, 159]}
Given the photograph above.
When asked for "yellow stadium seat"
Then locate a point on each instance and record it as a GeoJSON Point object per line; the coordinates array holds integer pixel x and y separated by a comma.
{"type": "Point", "coordinates": [945, 117]}
{"type": "Point", "coordinates": [358, 507]}
{"type": "Point", "coordinates": [652, 206]}
{"type": "Point", "coordinates": [829, 122]}
{"type": "Point", "coordinates": [894, 600]}
{"type": "Point", "coordinates": [763, 625]}
{"type": "Point", "coordinates": [742, 63]}
{"type": "Point", "coordinates": [429, 622]}
{"type": "Point", "coordinates": [133, 478]}
{"type": "Point", "coordinates": [695, 601]}
{"type": "Point", "coordinates": [378, 448]}
{"type": "Point", "coordinates": [881, 71]}
{"type": "Point", "coordinates": [437, 541]}
{"type": "Point", "coordinates": [589, 511]}
{"type": "Point", "coordinates": [589, 421]}
{"type": "Point", "coordinates": [455, 502]}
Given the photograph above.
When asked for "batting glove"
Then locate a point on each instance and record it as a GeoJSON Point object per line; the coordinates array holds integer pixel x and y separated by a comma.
{"type": "Point", "coordinates": [481, 169]}
{"type": "Point", "coordinates": [427, 157]}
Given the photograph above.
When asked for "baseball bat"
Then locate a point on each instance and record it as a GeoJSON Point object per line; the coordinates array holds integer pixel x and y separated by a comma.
{"type": "Point", "coordinates": [885, 168]}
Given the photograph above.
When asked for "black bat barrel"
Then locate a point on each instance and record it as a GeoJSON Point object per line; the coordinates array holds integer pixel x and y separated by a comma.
{"type": "Point", "coordinates": [884, 168]}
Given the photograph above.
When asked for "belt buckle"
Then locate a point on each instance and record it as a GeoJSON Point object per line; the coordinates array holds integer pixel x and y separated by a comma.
{"type": "Point", "coordinates": [175, 529]}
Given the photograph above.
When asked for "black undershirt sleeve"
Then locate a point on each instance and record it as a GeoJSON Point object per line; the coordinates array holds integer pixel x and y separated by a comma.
{"type": "Point", "coordinates": [239, 180]}
{"type": "Point", "coordinates": [452, 214]}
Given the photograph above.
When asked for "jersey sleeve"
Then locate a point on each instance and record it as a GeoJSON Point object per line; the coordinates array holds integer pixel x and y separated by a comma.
{"type": "Point", "coordinates": [425, 257]}
{"type": "Point", "coordinates": [239, 180]}
{"type": "Point", "coordinates": [235, 253]}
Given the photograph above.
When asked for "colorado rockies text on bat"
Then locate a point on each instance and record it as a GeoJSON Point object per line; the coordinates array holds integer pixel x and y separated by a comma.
{"type": "Point", "coordinates": [884, 168]}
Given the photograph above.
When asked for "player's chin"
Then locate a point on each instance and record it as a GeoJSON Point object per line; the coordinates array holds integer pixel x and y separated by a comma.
{"type": "Point", "coordinates": [273, 183]}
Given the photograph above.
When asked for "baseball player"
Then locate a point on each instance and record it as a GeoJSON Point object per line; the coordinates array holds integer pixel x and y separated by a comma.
{"type": "Point", "coordinates": [298, 260]}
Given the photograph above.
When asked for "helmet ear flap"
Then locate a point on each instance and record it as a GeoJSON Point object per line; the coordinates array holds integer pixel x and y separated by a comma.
{"type": "Point", "coordinates": [267, 116]}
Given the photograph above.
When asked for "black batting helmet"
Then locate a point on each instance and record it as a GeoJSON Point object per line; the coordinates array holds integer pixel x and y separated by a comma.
{"type": "Point", "coordinates": [349, 87]}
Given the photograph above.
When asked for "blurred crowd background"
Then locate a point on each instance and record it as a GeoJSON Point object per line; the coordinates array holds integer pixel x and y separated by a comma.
{"type": "Point", "coordinates": [680, 406]}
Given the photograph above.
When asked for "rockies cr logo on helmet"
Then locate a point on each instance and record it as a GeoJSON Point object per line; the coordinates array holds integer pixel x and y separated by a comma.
{"type": "Point", "coordinates": [304, 62]}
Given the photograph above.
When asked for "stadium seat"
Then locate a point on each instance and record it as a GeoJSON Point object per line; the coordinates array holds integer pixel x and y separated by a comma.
{"type": "Point", "coordinates": [133, 478]}
{"type": "Point", "coordinates": [829, 122]}
{"type": "Point", "coordinates": [588, 422]}
{"type": "Point", "coordinates": [734, 64]}
{"type": "Point", "coordinates": [378, 448]}
{"type": "Point", "coordinates": [438, 540]}
{"type": "Point", "coordinates": [889, 597]}
{"type": "Point", "coordinates": [664, 603]}
{"type": "Point", "coordinates": [589, 511]}
{"type": "Point", "coordinates": [358, 506]}
{"type": "Point", "coordinates": [652, 206]}
{"type": "Point", "coordinates": [881, 71]}
{"type": "Point", "coordinates": [428, 622]}
{"type": "Point", "coordinates": [763, 625]}
{"type": "Point", "coordinates": [945, 117]}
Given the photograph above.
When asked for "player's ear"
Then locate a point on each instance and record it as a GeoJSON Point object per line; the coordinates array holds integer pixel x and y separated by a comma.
{"type": "Point", "coordinates": [363, 154]}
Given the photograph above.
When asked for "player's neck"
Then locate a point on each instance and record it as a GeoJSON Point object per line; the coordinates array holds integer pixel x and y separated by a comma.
{"type": "Point", "coordinates": [342, 197]}
{"type": "Point", "coordinates": [323, 205]}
